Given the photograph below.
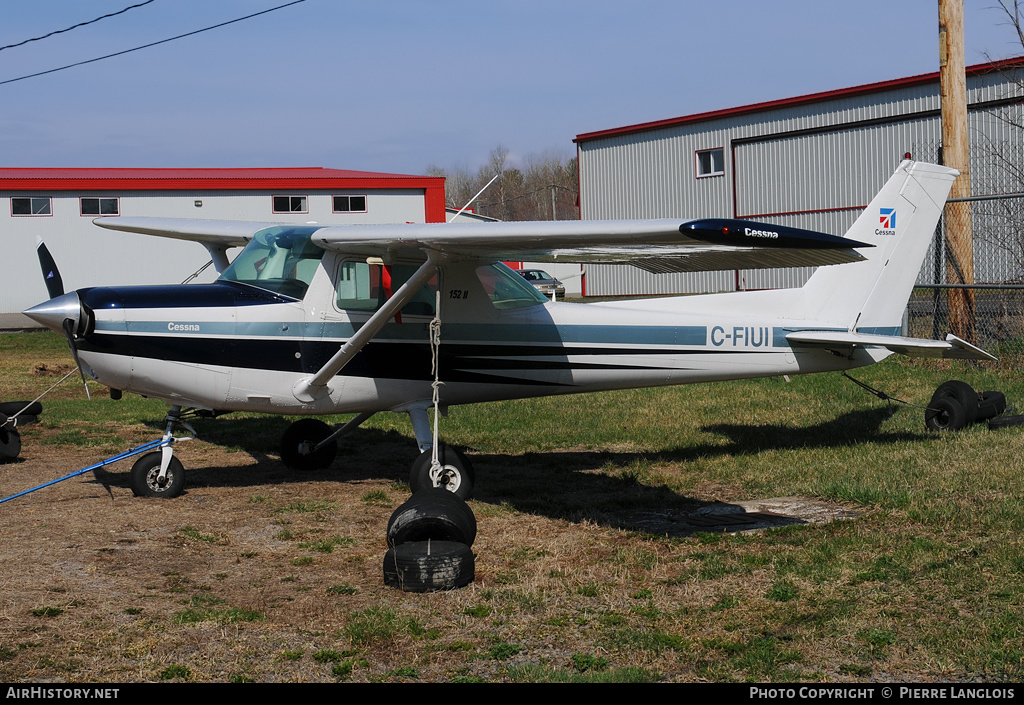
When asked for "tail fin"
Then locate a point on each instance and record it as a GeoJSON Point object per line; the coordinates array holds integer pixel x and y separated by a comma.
{"type": "Point", "coordinates": [870, 296]}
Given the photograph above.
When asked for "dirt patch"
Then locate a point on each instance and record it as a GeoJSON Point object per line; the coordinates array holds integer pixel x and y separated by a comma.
{"type": "Point", "coordinates": [259, 573]}
{"type": "Point", "coordinates": [50, 369]}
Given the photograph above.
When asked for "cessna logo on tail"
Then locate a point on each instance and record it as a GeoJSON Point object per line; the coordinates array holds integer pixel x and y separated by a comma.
{"type": "Point", "coordinates": [887, 219]}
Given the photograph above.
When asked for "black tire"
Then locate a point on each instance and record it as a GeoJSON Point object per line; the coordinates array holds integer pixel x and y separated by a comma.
{"type": "Point", "coordinates": [10, 444]}
{"type": "Point", "coordinates": [457, 474]}
{"type": "Point", "coordinates": [945, 414]}
{"type": "Point", "coordinates": [991, 404]}
{"type": "Point", "coordinates": [433, 513]}
{"type": "Point", "coordinates": [426, 566]}
{"type": "Point", "coordinates": [10, 408]}
{"type": "Point", "coordinates": [303, 433]}
{"type": "Point", "coordinates": [963, 393]}
{"type": "Point", "coordinates": [1006, 421]}
{"type": "Point", "coordinates": [144, 473]}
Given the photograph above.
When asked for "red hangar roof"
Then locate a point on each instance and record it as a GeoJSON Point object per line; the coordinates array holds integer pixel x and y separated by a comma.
{"type": "Point", "coordinates": [304, 178]}
{"type": "Point", "coordinates": [925, 78]}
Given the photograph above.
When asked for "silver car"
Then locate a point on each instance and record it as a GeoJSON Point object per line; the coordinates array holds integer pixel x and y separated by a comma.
{"type": "Point", "coordinates": [544, 282]}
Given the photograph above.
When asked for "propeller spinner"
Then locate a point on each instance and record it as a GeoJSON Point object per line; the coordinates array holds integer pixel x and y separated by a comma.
{"type": "Point", "coordinates": [63, 312]}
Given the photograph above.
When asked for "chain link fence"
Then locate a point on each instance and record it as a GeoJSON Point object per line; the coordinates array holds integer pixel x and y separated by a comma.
{"type": "Point", "coordinates": [973, 285]}
{"type": "Point", "coordinates": [975, 289]}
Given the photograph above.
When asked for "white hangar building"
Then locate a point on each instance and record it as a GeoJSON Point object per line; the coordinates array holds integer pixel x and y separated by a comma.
{"type": "Point", "coordinates": [812, 161]}
{"type": "Point", "coordinates": [59, 205]}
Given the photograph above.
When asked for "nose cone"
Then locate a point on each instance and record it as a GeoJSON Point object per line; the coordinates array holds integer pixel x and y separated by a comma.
{"type": "Point", "coordinates": [54, 312]}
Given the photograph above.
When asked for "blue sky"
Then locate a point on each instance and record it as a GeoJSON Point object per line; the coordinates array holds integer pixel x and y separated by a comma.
{"type": "Point", "coordinates": [399, 85]}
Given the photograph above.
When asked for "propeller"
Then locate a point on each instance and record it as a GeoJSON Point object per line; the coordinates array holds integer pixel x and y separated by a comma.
{"type": "Point", "coordinates": [63, 312]}
{"type": "Point", "coordinates": [54, 284]}
{"type": "Point", "coordinates": [69, 332]}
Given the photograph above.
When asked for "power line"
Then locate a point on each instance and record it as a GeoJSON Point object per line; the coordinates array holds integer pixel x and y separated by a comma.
{"type": "Point", "coordinates": [151, 44]}
{"type": "Point", "coordinates": [80, 24]}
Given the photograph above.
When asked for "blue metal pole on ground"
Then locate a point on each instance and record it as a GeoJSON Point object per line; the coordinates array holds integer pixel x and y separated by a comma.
{"type": "Point", "coordinates": [152, 445]}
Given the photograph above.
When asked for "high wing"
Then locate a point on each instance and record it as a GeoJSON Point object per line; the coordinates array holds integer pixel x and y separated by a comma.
{"type": "Point", "coordinates": [217, 236]}
{"type": "Point", "coordinates": [229, 233]}
{"type": "Point", "coordinates": [666, 245]}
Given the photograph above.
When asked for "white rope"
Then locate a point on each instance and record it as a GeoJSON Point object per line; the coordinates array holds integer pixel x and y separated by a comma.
{"type": "Point", "coordinates": [15, 416]}
{"type": "Point", "coordinates": [435, 365]}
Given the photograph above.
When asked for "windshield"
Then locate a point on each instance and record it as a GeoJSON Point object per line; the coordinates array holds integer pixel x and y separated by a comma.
{"type": "Point", "coordinates": [281, 259]}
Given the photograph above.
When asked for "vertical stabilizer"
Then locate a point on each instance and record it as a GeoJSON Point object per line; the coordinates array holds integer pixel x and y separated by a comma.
{"type": "Point", "coordinates": [870, 296]}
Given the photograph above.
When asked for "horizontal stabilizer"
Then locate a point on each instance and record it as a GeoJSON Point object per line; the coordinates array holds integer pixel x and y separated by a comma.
{"type": "Point", "coordinates": [950, 348]}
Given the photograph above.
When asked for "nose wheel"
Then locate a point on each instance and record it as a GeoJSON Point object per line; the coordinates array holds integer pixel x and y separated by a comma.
{"type": "Point", "coordinates": [146, 480]}
{"type": "Point", "coordinates": [160, 474]}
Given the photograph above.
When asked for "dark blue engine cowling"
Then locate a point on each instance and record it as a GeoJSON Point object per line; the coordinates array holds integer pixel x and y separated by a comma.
{"type": "Point", "coordinates": [216, 295]}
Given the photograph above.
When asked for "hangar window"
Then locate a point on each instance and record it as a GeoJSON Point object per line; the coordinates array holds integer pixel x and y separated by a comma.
{"type": "Point", "coordinates": [99, 206]}
{"type": "Point", "coordinates": [290, 204]}
{"type": "Point", "coordinates": [710, 162]}
{"type": "Point", "coordinates": [350, 204]}
{"type": "Point", "coordinates": [30, 206]}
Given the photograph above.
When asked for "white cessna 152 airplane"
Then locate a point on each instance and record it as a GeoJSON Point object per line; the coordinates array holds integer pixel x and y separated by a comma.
{"type": "Point", "coordinates": [312, 319]}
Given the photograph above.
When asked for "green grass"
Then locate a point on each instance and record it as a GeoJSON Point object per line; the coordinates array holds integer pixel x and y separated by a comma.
{"type": "Point", "coordinates": [928, 582]}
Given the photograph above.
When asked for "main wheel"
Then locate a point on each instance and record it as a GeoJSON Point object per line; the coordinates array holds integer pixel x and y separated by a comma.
{"type": "Point", "coordinates": [433, 513]}
{"type": "Point", "coordinates": [298, 441]}
{"type": "Point", "coordinates": [945, 414]}
{"type": "Point", "coordinates": [10, 444]}
{"type": "Point", "coordinates": [963, 393]}
{"type": "Point", "coordinates": [145, 477]}
{"type": "Point", "coordinates": [425, 566]}
{"type": "Point", "coordinates": [455, 474]}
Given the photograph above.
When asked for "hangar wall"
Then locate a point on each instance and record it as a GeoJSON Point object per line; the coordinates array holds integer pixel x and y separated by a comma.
{"type": "Point", "coordinates": [812, 162]}
{"type": "Point", "coordinates": [91, 256]}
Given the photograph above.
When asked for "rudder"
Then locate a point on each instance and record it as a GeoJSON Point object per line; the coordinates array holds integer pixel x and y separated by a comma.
{"type": "Point", "coordinates": [870, 296]}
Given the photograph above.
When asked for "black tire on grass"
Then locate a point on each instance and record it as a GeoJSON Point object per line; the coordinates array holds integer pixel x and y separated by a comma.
{"type": "Point", "coordinates": [991, 404]}
{"type": "Point", "coordinates": [432, 513]}
{"type": "Point", "coordinates": [964, 394]}
{"type": "Point", "coordinates": [10, 444]}
{"type": "Point", "coordinates": [945, 414]}
{"type": "Point", "coordinates": [428, 566]}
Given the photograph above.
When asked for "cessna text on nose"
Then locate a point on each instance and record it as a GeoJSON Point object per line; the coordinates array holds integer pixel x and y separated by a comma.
{"type": "Point", "coordinates": [183, 327]}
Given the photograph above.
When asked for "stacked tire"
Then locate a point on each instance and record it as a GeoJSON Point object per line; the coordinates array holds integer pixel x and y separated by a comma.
{"type": "Point", "coordinates": [12, 415]}
{"type": "Point", "coordinates": [430, 539]}
{"type": "Point", "coordinates": [956, 405]}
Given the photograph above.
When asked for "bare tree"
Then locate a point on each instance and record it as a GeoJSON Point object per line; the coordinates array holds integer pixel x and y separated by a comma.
{"type": "Point", "coordinates": [540, 188]}
{"type": "Point", "coordinates": [997, 167]}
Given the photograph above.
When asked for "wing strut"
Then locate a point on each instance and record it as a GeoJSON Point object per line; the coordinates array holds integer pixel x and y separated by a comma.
{"type": "Point", "coordinates": [315, 387]}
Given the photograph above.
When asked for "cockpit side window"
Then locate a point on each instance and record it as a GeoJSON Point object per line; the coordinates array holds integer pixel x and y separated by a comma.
{"type": "Point", "coordinates": [282, 259]}
{"type": "Point", "coordinates": [359, 286]}
{"type": "Point", "coordinates": [506, 289]}
{"type": "Point", "coordinates": [365, 287]}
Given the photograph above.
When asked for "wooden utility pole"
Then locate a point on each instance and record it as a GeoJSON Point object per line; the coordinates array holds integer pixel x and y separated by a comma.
{"type": "Point", "coordinates": [955, 153]}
